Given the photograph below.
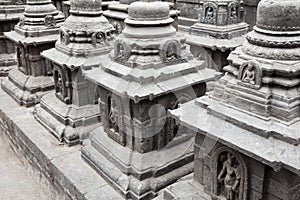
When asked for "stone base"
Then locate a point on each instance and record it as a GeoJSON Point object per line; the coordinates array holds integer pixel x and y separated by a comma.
{"type": "Point", "coordinates": [26, 90]}
{"type": "Point", "coordinates": [66, 175]}
{"type": "Point", "coordinates": [184, 23]}
{"type": "Point", "coordinates": [185, 188]}
{"type": "Point", "coordinates": [136, 175]}
{"type": "Point", "coordinates": [6, 61]}
{"type": "Point", "coordinates": [219, 32]}
{"type": "Point", "coordinates": [68, 123]}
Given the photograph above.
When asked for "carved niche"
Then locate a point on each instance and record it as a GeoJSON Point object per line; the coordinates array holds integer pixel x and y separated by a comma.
{"type": "Point", "coordinates": [233, 12]}
{"type": "Point", "coordinates": [114, 115]}
{"type": "Point", "coordinates": [250, 75]}
{"type": "Point", "coordinates": [230, 175]}
{"type": "Point", "coordinates": [21, 59]}
{"type": "Point", "coordinates": [209, 15]}
{"type": "Point", "coordinates": [50, 21]}
{"type": "Point", "coordinates": [170, 51]}
{"type": "Point", "coordinates": [64, 37]}
{"type": "Point", "coordinates": [121, 51]}
{"type": "Point", "coordinates": [61, 84]}
{"type": "Point", "coordinates": [98, 38]}
{"type": "Point", "coordinates": [172, 126]}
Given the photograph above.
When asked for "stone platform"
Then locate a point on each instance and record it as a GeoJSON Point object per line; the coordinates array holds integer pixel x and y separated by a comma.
{"type": "Point", "coordinates": [59, 166]}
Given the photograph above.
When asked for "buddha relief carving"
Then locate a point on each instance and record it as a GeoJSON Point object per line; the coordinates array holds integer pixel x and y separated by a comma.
{"type": "Point", "coordinates": [98, 38]}
{"type": "Point", "coordinates": [50, 21]}
{"type": "Point", "coordinates": [233, 13]}
{"type": "Point", "coordinates": [209, 15]}
{"type": "Point", "coordinates": [250, 75]}
{"type": "Point", "coordinates": [113, 115]}
{"type": "Point", "coordinates": [64, 37]}
{"type": "Point", "coordinates": [229, 174]}
{"type": "Point", "coordinates": [229, 177]}
{"type": "Point", "coordinates": [170, 51]}
{"type": "Point", "coordinates": [21, 59]}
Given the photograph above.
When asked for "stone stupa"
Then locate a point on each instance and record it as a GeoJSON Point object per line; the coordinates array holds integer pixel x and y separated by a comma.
{"type": "Point", "coordinates": [219, 30]}
{"type": "Point", "coordinates": [37, 31]}
{"type": "Point", "coordinates": [10, 13]}
{"type": "Point", "coordinates": [248, 141]}
{"type": "Point", "coordinates": [71, 111]}
{"type": "Point", "coordinates": [138, 148]}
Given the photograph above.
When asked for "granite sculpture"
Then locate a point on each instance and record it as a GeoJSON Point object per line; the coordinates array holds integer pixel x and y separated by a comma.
{"type": "Point", "coordinates": [37, 31]}
{"type": "Point", "coordinates": [219, 30]}
{"type": "Point", "coordinates": [71, 111]}
{"type": "Point", "coordinates": [10, 13]}
{"type": "Point", "coordinates": [247, 145]}
{"type": "Point", "coordinates": [138, 148]}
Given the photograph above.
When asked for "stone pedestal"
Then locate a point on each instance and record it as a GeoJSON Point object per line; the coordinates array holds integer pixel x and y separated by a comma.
{"type": "Point", "coordinates": [138, 148]}
{"type": "Point", "coordinates": [247, 145]}
{"type": "Point", "coordinates": [35, 33]}
{"type": "Point", "coordinates": [220, 29]}
{"type": "Point", "coordinates": [10, 13]}
{"type": "Point", "coordinates": [71, 111]}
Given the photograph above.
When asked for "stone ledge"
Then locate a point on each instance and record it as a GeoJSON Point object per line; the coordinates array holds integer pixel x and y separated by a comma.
{"type": "Point", "coordinates": [60, 166]}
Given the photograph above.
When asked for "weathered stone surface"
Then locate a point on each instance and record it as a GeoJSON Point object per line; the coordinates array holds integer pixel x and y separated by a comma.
{"type": "Point", "coordinates": [138, 149]}
{"type": "Point", "coordinates": [71, 111]}
{"type": "Point", "coordinates": [59, 166]}
{"type": "Point", "coordinates": [37, 31]}
{"type": "Point", "coordinates": [247, 145]}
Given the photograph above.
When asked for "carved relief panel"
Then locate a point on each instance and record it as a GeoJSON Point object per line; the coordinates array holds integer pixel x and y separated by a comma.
{"type": "Point", "coordinates": [170, 51]}
{"type": "Point", "coordinates": [62, 84]}
{"type": "Point", "coordinates": [233, 12]}
{"type": "Point", "coordinates": [21, 59]}
{"type": "Point", "coordinates": [114, 118]}
{"type": "Point", "coordinates": [250, 75]}
{"type": "Point", "coordinates": [209, 13]}
{"type": "Point", "coordinates": [230, 176]}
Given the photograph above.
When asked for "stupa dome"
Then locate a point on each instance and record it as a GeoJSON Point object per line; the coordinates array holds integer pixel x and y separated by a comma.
{"type": "Point", "coordinates": [279, 15]}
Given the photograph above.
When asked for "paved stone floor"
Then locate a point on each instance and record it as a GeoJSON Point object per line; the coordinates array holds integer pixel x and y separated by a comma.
{"type": "Point", "coordinates": [16, 181]}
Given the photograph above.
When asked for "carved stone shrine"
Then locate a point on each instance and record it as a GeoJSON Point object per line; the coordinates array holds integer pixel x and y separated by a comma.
{"type": "Point", "coordinates": [138, 148]}
{"type": "Point", "coordinates": [10, 13]}
{"type": "Point", "coordinates": [247, 145]}
{"type": "Point", "coordinates": [37, 31]}
{"type": "Point", "coordinates": [118, 11]}
{"type": "Point", "coordinates": [219, 30]}
{"type": "Point", "coordinates": [71, 111]}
